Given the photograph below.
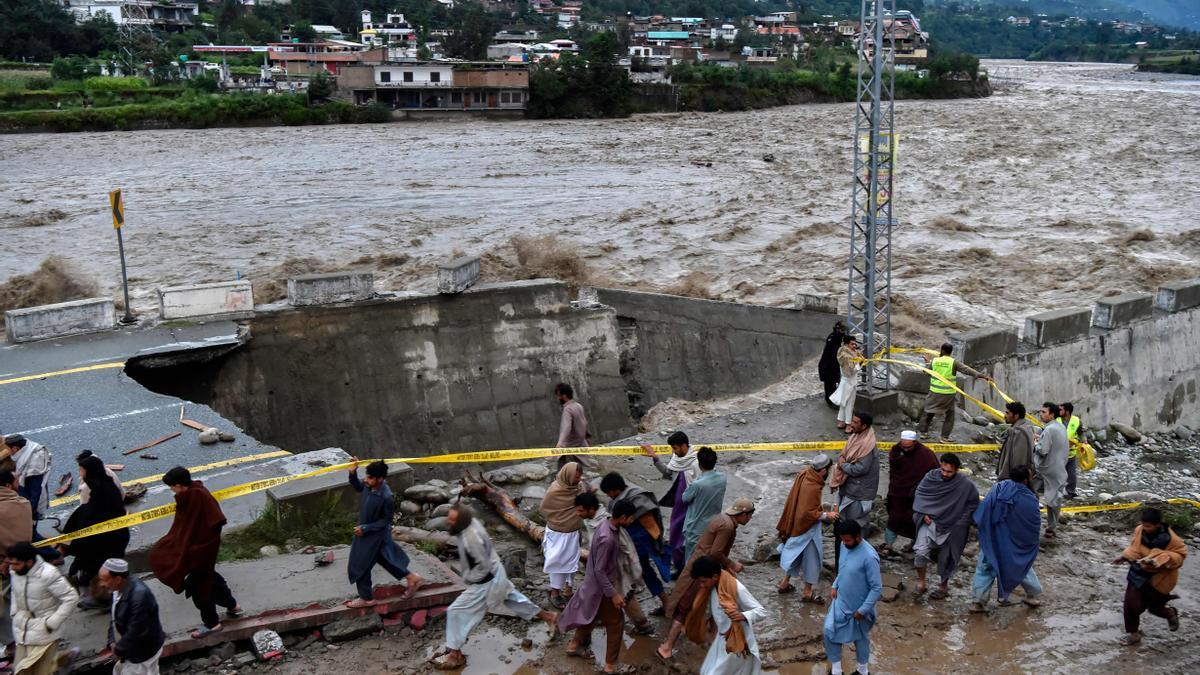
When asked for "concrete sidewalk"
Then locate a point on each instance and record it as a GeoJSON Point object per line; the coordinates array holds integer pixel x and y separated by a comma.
{"type": "Point", "coordinates": [270, 586]}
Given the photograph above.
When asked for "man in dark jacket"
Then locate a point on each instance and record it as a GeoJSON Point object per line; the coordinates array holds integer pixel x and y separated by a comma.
{"type": "Point", "coordinates": [135, 634]}
{"type": "Point", "coordinates": [827, 368]}
{"type": "Point", "coordinates": [373, 544]}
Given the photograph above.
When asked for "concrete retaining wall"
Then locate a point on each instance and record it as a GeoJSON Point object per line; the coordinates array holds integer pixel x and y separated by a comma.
{"type": "Point", "coordinates": [1145, 374]}
{"type": "Point", "coordinates": [225, 299]}
{"type": "Point", "coordinates": [57, 320]}
{"type": "Point", "coordinates": [677, 347]}
{"type": "Point", "coordinates": [418, 375]}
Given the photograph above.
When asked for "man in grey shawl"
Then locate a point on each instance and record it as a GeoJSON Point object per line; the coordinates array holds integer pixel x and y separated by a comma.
{"type": "Point", "coordinates": [487, 589]}
{"type": "Point", "coordinates": [943, 511]}
{"type": "Point", "coordinates": [1050, 457]}
{"type": "Point", "coordinates": [1017, 446]}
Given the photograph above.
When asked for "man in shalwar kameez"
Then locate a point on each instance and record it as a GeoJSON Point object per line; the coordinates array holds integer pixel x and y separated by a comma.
{"type": "Point", "coordinates": [799, 529]}
{"type": "Point", "coordinates": [373, 544]}
{"type": "Point", "coordinates": [725, 603]}
{"type": "Point", "coordinates": [855, 592]}
{"type": "Point", "coordinates": [943, 511]}
{"type": "Point", "coordinates": [487, 589]}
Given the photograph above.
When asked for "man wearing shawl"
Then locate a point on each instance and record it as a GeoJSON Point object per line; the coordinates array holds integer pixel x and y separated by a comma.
{"type": "Point", "coordinates": [703, 498]}
{"type": "Point", "coordinates": [104, 503]}
{"type": "Point", "coordinates": [1016, 449]}
{"type": "Point", "coordinates": [1009, 523]}
{"type": "Point", "coordinates": [373, 543]}
{"type": "Point", "coordinates": [646, 530]}
{"type": "Point", "coordinates": [908, 462]}
{"type": "Point", "coordinates": [629, 576]}
{"type": "Point", "coordinates": [733, 613]}
{"type": "Point", "coordinates": [1050, 462]}
{"type": "Point", "coordinates": [185, 560]}
{"type": "Point", "coordinates": [599, 599]}
{"type": "Point", "coordinates": [487, 589]}
{"type": "Point", "coordinates": [560, 545]}
{"type": "Point", "coordinates": [855, 475]}
{"type": "Point", "coordinates": [799, 529]}
{"type": "Point", "coordinates": [855, 592]}
{"type": "Point", "coordinates": [1154, 557]}
{"type": "Point", "coordinates": [716, 544]}
{"type": "Point", "coordinates": [682, 469]}
{"type": "Point", "coordinates": [942, 511]}
{"type": "Point", "coordinates": [827, 368]}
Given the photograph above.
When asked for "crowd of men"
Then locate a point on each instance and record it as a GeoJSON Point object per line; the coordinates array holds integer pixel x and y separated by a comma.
{"type": "Point", "coordinates": [624, 544]}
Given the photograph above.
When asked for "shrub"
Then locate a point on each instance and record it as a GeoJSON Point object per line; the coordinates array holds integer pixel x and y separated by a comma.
{"type": "Point", "coordinates": [115, 83]}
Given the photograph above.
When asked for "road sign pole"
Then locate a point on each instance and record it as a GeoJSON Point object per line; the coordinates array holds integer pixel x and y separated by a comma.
{"type": "Point", "coordinates": [128, 318]}
{"type": "Point", "coordinates": [117, 203]}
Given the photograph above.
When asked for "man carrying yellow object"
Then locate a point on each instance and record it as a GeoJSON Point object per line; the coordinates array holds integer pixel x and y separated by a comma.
{"type": "Point", "coordinates": [942, 396]}
{"type": "Point", "coordinates": [1072, 422]}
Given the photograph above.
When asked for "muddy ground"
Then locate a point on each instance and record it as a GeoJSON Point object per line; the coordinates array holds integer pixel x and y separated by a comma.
{"type": "Point", "coordinates": [1074, 631]}
{"type": "Point", "coordinates": [1069, 182]}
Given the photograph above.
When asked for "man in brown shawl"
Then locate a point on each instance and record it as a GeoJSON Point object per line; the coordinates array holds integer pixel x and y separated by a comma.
{"type": "Point", "coordinates": [560, 545]}
{"type": "Point", "coordinates": [799, 529]}
{"type": "Point", "coordinates": [715, 543]}
{"type": "Point", "coordinates": [908, 462]}
{"type": "Point", "coordinates": [185, 560]}
{"type": "Point", "coordinates": [1017, 447]}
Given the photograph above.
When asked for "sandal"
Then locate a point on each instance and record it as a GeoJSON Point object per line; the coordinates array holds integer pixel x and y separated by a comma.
{"type": "Point", "coordinates": [939, 594]}
{"type": "Point", "coordinates": [622, 669]}
{"type": "Point", "coordinates": [444, 663]}
{"type": "Point", "coordinates": [643, 629]}
{"type": "Point", "coordinates": [582, 652]}
{"type": "Point", "coordinates": [1173, 619]}
{"type": "Point", "coordinates": [204, 631]}
{"type": "Point", "coordinates": [359, 603]}
{"type": "Point", "coordinates": [235, 611]}
{"type": "Point", "coordinates": [813, 599]}
{"type": "Point", "coordinates": [1130, 639]}
{"type": "Point", "coordinates": [783, 590]}
{"type": "Point", "coordinates": [411, 588]}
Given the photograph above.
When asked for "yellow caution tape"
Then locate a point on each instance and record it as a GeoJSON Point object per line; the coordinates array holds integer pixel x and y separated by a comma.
{"type": "Point", "coordinates": [1087, 455]}
{"type": "Point", "coordinates": [155, 513]}
{"type": "Point", "coordinates": [191, 469]}
{"type": "Point", "coordinates": [1093, 508]}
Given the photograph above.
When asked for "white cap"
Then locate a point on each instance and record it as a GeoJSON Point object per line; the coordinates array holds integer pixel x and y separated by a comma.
{"type": "Point", "coordinates": [908, 435]}
{"type": "Point", "coordinates": [116, 566]}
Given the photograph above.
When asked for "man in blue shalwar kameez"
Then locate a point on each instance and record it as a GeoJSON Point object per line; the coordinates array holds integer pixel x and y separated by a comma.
{"type": "Point", "coordinates": [855, 592]}
{"type": "Point", "coordinates": [373, 543]}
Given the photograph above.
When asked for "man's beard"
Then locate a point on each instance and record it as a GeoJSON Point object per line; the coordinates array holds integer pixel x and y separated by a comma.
{"type": "Point", "coordinates": [23, 571]}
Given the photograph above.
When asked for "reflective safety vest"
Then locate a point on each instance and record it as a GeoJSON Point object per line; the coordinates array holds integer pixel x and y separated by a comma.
{"type": "Point", "coordinates": [944, 366]}
{"type": "Point", "coordinates": [1072, 433]}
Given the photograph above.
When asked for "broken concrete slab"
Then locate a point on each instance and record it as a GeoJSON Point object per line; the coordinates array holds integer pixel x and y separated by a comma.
{"type": "Point", "coordinates": [817, 303]}
{"type": "Point", "coordinates": [326, 289]}
{"type": "Point", "coordinates": [1054, 327]}
{"type": "Point", "coordinates": [458, 275]}
{"type": "Point", "coordinates": [1121, 310]}
{"type": "Point", "coordinates": [343, 630]}
{"type": "Point", "coordinates": [223, 299]}
{"type": "Point", "coordinates": [984, 344]}
{"type": "Point", "coordinates": [1178, 295]}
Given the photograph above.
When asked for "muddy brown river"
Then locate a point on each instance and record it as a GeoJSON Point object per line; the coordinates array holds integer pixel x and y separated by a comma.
{"type": "Point", "coordinates": [1074, 180]}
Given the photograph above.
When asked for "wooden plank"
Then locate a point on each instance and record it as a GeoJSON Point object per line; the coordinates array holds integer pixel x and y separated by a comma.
{"type": "Point", "coordinates": [193, 424]}
{"type": "Point", "coordinates": [153, 443]}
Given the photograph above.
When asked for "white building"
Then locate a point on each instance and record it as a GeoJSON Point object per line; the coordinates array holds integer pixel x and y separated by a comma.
{"type": "Point", "coordinates": [168, 16]}
{"type": "Point", "coordinates": [422, 75]}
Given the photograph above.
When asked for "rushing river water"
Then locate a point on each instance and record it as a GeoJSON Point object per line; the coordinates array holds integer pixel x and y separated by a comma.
{"type": "Point", "coordinates": [1034, 197]}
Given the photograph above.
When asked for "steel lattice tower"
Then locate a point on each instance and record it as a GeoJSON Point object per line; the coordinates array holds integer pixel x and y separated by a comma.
{"type": "Point", "coordinates": [870, 268]}
{"type": "Point", "coordinates": [135, 35]}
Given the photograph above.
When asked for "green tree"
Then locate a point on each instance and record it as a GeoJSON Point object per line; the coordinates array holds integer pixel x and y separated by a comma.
{"type": "Point", "coordinates": [37, 30]}
{"type": "Point", "coordinates": [474, 29]}
{"type": "Point", "coordinates": [228, 12]}
{"type": "Point", "coordinates": [303, 31]}
{"type": "Point", "coordinates": [320, 87]}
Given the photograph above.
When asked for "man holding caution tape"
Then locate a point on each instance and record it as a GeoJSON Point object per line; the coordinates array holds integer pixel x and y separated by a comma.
{"type": "Point", "coordinates": [942, 396]}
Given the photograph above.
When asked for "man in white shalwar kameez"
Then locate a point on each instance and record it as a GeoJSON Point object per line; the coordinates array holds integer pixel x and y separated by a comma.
{"type": "Point", "coordinates": [487, 589]}
{"type": "Point", "coordinates": [725, 602]}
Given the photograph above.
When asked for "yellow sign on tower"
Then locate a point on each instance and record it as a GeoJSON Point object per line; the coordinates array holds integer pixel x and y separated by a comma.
{"type": "Point", "coordinates": [118, 208]}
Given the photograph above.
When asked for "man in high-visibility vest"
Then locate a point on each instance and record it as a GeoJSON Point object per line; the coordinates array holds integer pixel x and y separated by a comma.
{"type": "Point", "coordinates": [1073, 424]}
{"type": "Point", "coordinates": [942, 396]}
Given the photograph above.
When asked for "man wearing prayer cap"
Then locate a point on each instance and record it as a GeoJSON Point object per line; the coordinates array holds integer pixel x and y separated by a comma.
{"type": "Point", "coordinates": [908, 462]}
{"type": "Point", "coordinates": [799, 529]}
{"type": "Point", "coordinates": [135, 634]}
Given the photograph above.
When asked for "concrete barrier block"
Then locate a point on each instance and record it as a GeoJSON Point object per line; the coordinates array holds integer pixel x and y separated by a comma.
{"type": "Point", "coordinates": [1122, 310]}
{"type": "Point", "coordinates": [324, 289]}
{"type": "Point", "coordinates": [1060, 325]}
{"type": "Point", "coordinates": [985, 344]}
{"type": "Point", "coordinates": [307, 498]}
{"type": "Point", "coordinates": [817, 303]}
{"type": "Point", "coordinates": [226, 299]}
{"type": "Point", "coordinates": [57, 320]}
{"type": "Point", "coordinates": [458, 275]}
{"type": "Point", "coordinates": [1178, 295]}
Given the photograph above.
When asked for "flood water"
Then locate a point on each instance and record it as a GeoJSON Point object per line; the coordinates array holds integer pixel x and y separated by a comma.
{"type": "Point", "coordinates": [1019, 202]}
